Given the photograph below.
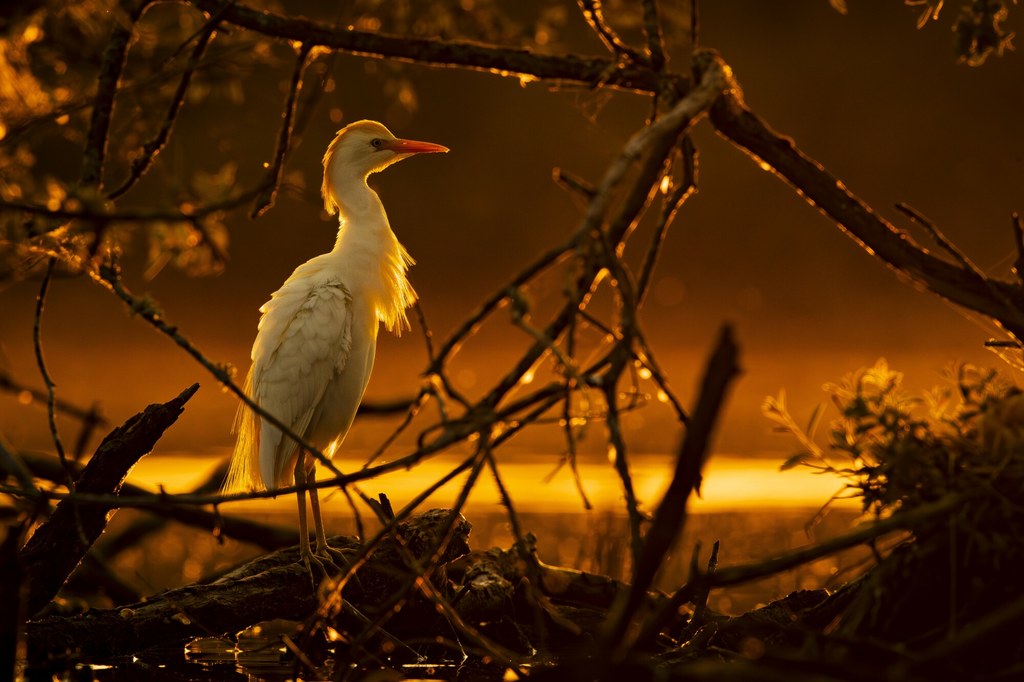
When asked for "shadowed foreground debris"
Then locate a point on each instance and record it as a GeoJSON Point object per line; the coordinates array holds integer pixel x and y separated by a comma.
{"type": "Point", "coordinates": [269, 587]}
{"type": "Point", "coordinates": [57, 546]}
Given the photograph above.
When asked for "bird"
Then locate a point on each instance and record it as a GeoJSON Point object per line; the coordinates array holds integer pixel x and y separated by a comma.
{"type": "Point", "coordinates": [317, 336]}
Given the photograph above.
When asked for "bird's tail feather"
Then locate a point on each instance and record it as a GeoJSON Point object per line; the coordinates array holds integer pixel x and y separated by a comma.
{"type": "Point", "coordinates": [243, 472]}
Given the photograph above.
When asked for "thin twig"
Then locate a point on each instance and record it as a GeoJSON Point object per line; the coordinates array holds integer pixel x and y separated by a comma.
{"type": "Point", "coordinates": [573, 183]}
{"type": "Point", "coordinates": [617, 444]}
{"type": "Point", "coordinates": [243, 529]}
{"type": "Point", "coordinates": [701, 599]}
{"type": "Point", "coordinates": [1018, 242]}
{"type": "Point", "coordinates": [265, 200]}
{"type": "Point", "coordinates": [953, 250]}
{"type": "Point", "coordinates": [147, 154]}
{"type": "Point", "coordinates": [669, 208]}
{"type": "Point", "coordinates": [494, 301]}
{"type": "Point", "coordinates": [594, 16]}
{"type": "Point", "coordinates": [652, 31]}
{"type": "Point", "coordinates": [940, 239]}
{"type": "Point", "coordinates": [645, 355]}
{"type": "Point", "coordinates": [568, 427]}
{"type": "Point", "coordinates": [106, 90]}
{"type": "Point", "coordinates": [51, 387]}
{"type": "Point", "coordinates": [130, 215]}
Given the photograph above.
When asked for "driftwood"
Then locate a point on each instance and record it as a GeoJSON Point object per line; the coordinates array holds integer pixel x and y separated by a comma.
{"type": "Point", "coordinates": [59, 544]}
{"type": "Point", "coordinates": [273, 586]}
{"type": "Point", "coordinates": [485, 588]}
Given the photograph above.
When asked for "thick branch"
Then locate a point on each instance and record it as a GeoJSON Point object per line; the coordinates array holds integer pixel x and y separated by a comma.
{"type": "Point", "coordinates": [58, 545]}
{"type": "Point", "coordinates": [508, 61]}
{"type": "Point", "coordinates": [671, 515]}
{"type": "Point", "coordinates": [994, 298]}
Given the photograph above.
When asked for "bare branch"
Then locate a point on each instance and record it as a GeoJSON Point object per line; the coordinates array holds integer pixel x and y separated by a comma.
{"type": "Point", "coordinates": [51, 388]}
{"type": "Point", "coordinates": [573, 183]}
{"type": "Point", "coordinates": [670, 518]}
{"type": "Point", "coordinates": [594, 15]}
{"type": "Point", "coordinates": [735, 121]}
{"type": "Point", "coordinates": [940, 239]}
{"type": "Point", "coordinates": [131, 215]}
{"type": "Point", "coordinates": [652, 31]}
{"type": "Point", "coordinates": [1018, 241]}
{"type": "Point", "coordinates": [58, 545]}
{"type": "Point", "coordinates": [670, 207]}
{"type": "Point", "coordinates": [106, 90]}
{"type": "Point", "coordinates": [516, 62]}
{"type": "Point", "coordinates": [145, 156]}
{"type": "Point", "coordinates": [269, 192]}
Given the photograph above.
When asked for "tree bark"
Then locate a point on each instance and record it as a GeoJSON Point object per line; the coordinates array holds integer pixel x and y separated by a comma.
{"type": "Point", "coordinates": [59, 544]}
{"type": "Point", "coordinates": [273, 586]}
{"type": "Point", "coordinates": [999, 300]}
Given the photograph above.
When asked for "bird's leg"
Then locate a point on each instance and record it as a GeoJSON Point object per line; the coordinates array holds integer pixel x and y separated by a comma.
{"type": "Point", "coordinates": [324, 550]}
{"type": "Point", "coordinates": [309, 560]}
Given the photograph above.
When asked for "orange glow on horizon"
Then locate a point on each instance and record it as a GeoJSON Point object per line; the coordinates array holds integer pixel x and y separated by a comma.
{"type": "Point", "coordinates": [730, 484]}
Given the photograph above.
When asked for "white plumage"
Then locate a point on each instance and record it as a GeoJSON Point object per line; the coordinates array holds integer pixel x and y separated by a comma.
{"type": "Point", "coordinates": [317, 337]}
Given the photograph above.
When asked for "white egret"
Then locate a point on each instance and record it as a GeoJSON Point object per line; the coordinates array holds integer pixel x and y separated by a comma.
{"type": "Point", "coordinates": [317, 337]}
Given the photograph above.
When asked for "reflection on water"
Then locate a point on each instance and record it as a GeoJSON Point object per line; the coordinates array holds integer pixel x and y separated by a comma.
{"type": "Point", "coordinates": [258, 652]}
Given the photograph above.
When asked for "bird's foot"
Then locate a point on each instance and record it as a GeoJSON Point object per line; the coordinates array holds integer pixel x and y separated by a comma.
{"type": "Point", "coordinates": [316, 566]}
{"type": "Point", "coordinates": [335, 557]}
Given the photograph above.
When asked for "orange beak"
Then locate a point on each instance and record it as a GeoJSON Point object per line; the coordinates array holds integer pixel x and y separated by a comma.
{"type": "Point", "coordinates": [413, 147]}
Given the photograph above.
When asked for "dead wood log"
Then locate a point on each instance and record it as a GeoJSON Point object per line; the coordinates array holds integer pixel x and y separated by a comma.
{"type": "Point", "coordinates": [59, 544]}
{"type": "Point", "coordinates": [270, 587]}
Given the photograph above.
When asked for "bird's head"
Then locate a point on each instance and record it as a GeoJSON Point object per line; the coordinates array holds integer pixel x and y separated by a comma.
{"type": "Point", "coordinates": [362, 148]}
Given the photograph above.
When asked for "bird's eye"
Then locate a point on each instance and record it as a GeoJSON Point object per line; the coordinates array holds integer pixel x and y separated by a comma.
{"type": "Point", "coordinates": [376, 142]}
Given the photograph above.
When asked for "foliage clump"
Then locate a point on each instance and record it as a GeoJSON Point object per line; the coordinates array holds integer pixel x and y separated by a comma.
{"type": "Point", "coordinates": [951, 462]}
{"type": "Point", "coordinates": [900, 451]}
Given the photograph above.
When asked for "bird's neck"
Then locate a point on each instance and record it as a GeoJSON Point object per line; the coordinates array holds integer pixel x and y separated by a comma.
{"type": "Point", "coordinates": [370, 257]}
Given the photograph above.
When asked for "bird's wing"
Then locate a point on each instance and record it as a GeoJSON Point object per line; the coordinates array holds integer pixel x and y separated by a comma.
{"type": "Point", "coordinates": [304, 341]}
